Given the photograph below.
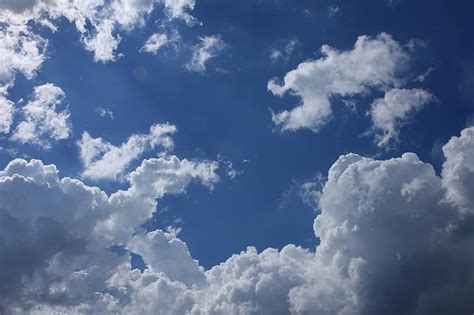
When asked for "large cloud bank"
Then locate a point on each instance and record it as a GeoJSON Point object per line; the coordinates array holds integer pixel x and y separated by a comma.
{"type": "Point", "coordinates": [395, 238]}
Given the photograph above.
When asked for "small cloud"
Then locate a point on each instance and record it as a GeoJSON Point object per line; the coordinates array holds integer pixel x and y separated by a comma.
{"type": "Point", "coordinates": [228, 167]}
{"type": "Point", "coordinates": [160, 40]}
{"type": "Point", "coordinates": [105, 112]}
{"type": "Point", "coordinates": [208, 48]}
{"type": "Point", "coordinates": [333, 10]}
{"type": "Point", "coordinates": [284, 51]}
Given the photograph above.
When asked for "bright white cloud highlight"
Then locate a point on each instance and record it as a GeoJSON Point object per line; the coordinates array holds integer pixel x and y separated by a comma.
{"type": "Point", "coordinates": [392, 111]}
{"type": "Point", "coordinates": [43, 122]}
{"type": "Point", "coordinates": [374, 63]}
{"type": "Point", "coordinates": [102, 160]}
{"type": "Point", "coordinates": [207, 49]}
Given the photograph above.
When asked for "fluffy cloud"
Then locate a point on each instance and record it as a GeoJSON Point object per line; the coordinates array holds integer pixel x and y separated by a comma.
{"type": "Point", "coordinates": [42, 122]}
{"type": "Point", "coordinates": [207, 49]}
{"type": "Point", "coordinates": [458, 170]}
{"type": "Point", "coordinates": [61, 259]}
{"type": "Point", "coordinates": [374, 63]}
{"type": "Point", "coordinates": [178, 9]}
{"type": "Point", "coordinates": [394, 109]}
{"type": "Point", "coordinates": [395, 238]}
{"type": "Point", "coordinates": [6, 114]}
{"type": "Point", "coordinates": [20, 51]}
{"type": "Point", "coordinates": [103, 160]}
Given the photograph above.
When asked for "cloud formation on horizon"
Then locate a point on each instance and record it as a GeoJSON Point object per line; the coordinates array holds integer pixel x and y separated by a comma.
{"type": "Point", "coordinates": [394, 238]}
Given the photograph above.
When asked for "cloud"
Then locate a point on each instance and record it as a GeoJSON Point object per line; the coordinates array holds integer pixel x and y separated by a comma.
{"type": "Point", "coordinates": [284, 52]}
{"type": "Point", "coordinates": [158, 40]}
{"type": "Point", "coordinates": [102, 160]}
{"type": "Point", "coordinates": [207, 49]}
{"type": "Point", "coordinates": [42, 122]}
{"type": "Point", "coordinates": [374, 63]}
{"type": "Point", "coordinates": [333, 10]}
{"type": "Point", "coordinates": [20, 51]}
{"type": "Point", "coordinates": [105, 112]}
{"type": "Point", "coordinates": [395, 238]}
{"type": "Point", "coordinates": [178, 9]}
{"type": "Point", "coordinates": [61, 259]}
{"type": "Point", "coordinates": [458, 170]}
{"type": "Point", "coordinates": [6, 114]}
{"type": "Point", "coordinates": [99, 24]}
{"type": "Point", "coordinates": [395, 109]}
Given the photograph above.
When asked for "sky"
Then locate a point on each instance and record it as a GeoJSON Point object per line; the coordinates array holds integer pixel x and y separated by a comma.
{"type": "Point", "coordinates": [236, 157]}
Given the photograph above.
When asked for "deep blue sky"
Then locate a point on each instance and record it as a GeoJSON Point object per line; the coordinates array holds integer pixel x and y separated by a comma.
{"type": "Point", "coordinates": [227, 112]}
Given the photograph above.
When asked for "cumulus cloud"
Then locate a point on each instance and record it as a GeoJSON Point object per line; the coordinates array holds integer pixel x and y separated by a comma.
{"type": "Point", "coordinates": [395, 238]}
{"type": "Point", "coordinates": [61, 260]}
{"type": "Point", "coordinates": [377, 62]}
{"type": "Point", "coordinates": [395, 109]}
{"type": "Point", "coordinates": [458, 170]}
{"type": "Point", "coordinates": [43, 123]}
{"type": "Point", "coordinates": [102, 160]}
{"type": "Point", "coordinates": [207, 49]}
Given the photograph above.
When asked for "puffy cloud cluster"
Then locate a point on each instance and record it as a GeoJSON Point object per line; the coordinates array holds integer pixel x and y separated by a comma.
{"type": "Point", "coordinates": [42, 122]}
{"type": "Point", "coordinates": [103, 160]}
{"type": "Point", "coordinates": [375, 63]}
{"type": "Point", "coordinates": [56, 233]}
{"type": "Point", "coordinates": [395, 238]}
{"type": "Point", "coordinates": [98, 22]}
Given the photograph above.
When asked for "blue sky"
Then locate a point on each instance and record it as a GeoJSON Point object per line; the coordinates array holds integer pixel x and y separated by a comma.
{"type": "Point", "coordinates": [223, 107]}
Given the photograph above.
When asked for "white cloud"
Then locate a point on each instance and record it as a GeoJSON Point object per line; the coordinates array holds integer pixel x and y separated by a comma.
{"type": "Point", "coordinates": [395, 109]}
{"type": "Point", "coordinates": [6, 114]}
{"type": "Point", "coordinates": [104, 44]}
{"type": "Point", "coordinates": [178, 9]}
{"type": "Point", "coordinates": [102, 160]}
{"type": "Point", "coordinates": [42, 122]}
{"type": "Point", "coordinates": [458, 170]}
{"type": "Point", "coordinates": [105, 112]}
{"type": "Point", "coordinates": [155, 42]}
{"type": "Point", "coordinates": [394, 238]}
{"type": "Point", "coordinates": [99, 23]}
{"type": "Point", "coordinates": [20, 51]}
{"type": "Point", "coordinates": [158, 40]}
{"type": "Point", "coordinates": [373, 63]}
{"type": "Point", "coordinates": [60, 261]}
{"type": "Point", "coordinates": [207, 49]}
{"type": "Point", "coordinates": [165, 253]}
{"type": "Point", "coordinates": [284, 52]}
